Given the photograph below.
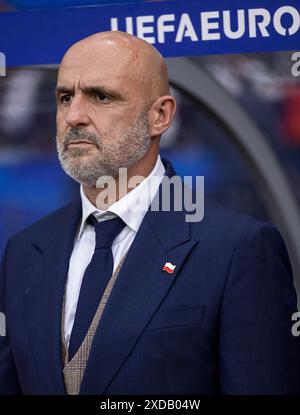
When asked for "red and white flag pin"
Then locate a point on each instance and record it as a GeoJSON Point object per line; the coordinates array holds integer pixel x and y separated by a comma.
{"type": "Point", "coordinates": [169, 268]}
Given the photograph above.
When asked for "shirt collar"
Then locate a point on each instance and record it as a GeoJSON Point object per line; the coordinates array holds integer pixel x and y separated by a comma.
{"type": "Point", "coordinates": [132, 207]}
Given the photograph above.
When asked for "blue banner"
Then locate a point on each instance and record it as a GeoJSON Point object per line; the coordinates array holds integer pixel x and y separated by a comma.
{"type": "Point", "coordinates": [176, 28]}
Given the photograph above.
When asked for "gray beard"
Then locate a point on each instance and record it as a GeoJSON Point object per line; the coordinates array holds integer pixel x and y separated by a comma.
{"type": "Point", "coordinates": [121, 153]}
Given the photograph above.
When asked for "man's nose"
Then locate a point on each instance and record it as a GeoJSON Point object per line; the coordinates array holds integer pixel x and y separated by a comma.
{"type": "Point", "coordinates": [78, 114]}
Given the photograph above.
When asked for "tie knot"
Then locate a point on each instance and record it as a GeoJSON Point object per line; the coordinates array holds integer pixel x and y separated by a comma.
{"type": "Point", "coordinates": [106, 230]}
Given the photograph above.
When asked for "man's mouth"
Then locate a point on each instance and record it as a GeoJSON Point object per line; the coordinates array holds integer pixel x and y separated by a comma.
{"type": "Point", "coordinates": [81, 143]}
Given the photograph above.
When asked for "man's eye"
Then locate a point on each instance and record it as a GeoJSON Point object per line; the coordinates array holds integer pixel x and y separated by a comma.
{"type": "Point", "coordinates": [105, 99]}
{"type": "Point", "coordinates": [65, 99]}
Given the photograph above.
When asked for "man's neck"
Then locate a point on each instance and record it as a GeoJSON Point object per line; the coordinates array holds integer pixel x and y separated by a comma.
{"type": "Point", "coordinates": [122, 184]}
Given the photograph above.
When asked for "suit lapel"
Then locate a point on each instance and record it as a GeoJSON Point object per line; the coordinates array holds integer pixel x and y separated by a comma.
{"type": "Point", "coordinates": [139, 290]}
{"type": "Point", "coordinates": [45, 280]}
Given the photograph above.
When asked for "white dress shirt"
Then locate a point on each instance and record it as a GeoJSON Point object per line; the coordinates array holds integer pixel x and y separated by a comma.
{"type": "Point", "coordinates": [131, 209]}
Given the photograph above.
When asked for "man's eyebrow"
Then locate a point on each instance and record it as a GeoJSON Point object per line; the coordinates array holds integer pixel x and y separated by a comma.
{"type": "Point", "coordinates": [63, 90]}
{"type": "Point", "coordinates": [89, 90]}
{"type": "Point", "coordinates": [98, 90]}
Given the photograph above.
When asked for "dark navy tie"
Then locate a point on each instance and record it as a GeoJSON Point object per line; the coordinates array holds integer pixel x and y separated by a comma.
{"type": "Point", "coordinates": [95, 278]}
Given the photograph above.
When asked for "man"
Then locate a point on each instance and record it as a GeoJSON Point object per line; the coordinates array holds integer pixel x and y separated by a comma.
{"type": "Point", "coordinates": [167, 306]}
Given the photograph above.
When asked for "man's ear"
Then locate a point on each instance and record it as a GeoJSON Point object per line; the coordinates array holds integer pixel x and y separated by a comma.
{"type": "Point", "coordinates": [161, 115]}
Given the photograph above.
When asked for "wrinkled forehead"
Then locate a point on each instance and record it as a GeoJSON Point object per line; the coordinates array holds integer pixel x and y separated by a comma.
{"type": "Point", "coordinates": [102, 64]}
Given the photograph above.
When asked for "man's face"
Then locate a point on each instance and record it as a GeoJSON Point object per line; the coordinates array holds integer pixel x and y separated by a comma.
{"type": "Point", "coordinates": [102, 121]}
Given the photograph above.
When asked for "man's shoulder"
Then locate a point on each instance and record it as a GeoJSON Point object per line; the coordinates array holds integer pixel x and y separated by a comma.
{"type": "Point", "coordinates": [225, 225]}
{"type": "Point", "coordinates": [53, 220]}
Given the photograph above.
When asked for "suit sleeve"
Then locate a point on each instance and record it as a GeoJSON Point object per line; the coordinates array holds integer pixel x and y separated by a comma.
{"type": "Point", "coordinates": [9, 384]}
{"type": "Point", "coordinates": [257, 352]}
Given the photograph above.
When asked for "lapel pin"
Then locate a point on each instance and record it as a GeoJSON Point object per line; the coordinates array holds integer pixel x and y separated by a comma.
{"type": "Point", "coordinates": [169, 268]}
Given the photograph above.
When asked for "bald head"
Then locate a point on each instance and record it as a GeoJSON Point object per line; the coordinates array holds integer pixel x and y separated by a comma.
{"type": "Point", "coordinates": [113, 105]}
{"type": "Point", "coordinates": [132, 57]}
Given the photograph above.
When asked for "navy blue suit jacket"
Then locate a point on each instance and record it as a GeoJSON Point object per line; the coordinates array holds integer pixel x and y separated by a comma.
{"type": "Point", "coordinates": [221, 323]}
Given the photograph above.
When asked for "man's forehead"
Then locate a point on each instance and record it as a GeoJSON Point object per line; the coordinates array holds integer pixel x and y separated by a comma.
{"type": "Point", "coordinates": [80, 80]}
{"type": "Point", "coordinates": [127, 65]}
{"type": "Point", "coordinates": [98, 69]}
{"type": "Point", "coordinates": [100, 54]}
